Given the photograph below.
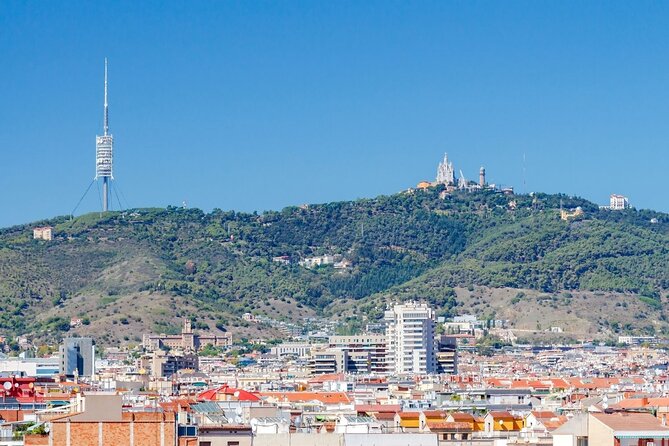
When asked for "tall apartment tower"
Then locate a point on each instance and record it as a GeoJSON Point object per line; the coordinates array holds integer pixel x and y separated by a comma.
{"type": "Point", "coordinates": [77, 357]}
{"type": "Point", "coordinates": [410, 339]}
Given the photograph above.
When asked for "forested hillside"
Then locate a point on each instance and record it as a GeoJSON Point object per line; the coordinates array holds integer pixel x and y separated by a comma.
{"type": "Point", "coordinates": [216, 266]}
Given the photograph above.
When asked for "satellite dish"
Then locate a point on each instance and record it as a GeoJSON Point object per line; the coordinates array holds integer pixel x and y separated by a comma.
{"type": "Point", "coordinates": [238, 420]}
{"type": "Point", "coordinates": [7, 385]}
{"type": "Point", "coordinates": [238, 411]}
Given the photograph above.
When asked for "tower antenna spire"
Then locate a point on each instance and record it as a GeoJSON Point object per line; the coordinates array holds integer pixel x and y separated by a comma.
{"type": "Point", "coordinates": [106, 123]}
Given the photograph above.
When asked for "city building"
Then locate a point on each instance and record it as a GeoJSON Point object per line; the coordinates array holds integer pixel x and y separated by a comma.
{"type": "Point", "coordinates": [410, 339]}
{"type": "Point", "coordinates": [618, 202]}
{"type": "Point", "coordinates": [77, 357]}
{"type": "Point", "coordinates": [103, 422]}
{"type": "Point", "coordinates": [43, 233]}
{"type": "Point", "coordinates": [447, 355]}
{"type": "Point", "coordinates": [313, 262]}
{"type": "Point", "coordinates": [37, 367]}
{"type": "Point", "coordinates": [164, 365]}
{"type": "Point", "coordinates": [186, 341]}
{"type": "Point", "coordinates": [626, 429]}
{"type": "Point", "coordinates": [328, 361]}
{"type": "Point", "coordinates": [366, 353]}
{"type": "Point", "coordinates": [299, 349]}
{"type": "Point", "coordinates": [636, 340]}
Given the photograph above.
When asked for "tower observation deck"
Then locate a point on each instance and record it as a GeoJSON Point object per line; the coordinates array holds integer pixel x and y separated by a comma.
{"type": "Point", "coordinates": [104, 154]}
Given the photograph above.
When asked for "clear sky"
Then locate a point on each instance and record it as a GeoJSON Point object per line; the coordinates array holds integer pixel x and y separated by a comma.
{"type": "Point", "coordinates": [259, 105]}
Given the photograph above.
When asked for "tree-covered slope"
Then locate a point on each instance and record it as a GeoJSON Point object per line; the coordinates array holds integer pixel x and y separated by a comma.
{"type": "Point", "coordinates": [410, 245]}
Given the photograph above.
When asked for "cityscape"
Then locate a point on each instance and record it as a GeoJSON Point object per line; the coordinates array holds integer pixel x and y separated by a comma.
{"type": "Point", "coordinates": [463, 309]}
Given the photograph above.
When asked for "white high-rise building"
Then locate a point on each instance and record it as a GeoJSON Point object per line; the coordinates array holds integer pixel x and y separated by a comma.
{"type": "Point", "coordinates": [410, 339]}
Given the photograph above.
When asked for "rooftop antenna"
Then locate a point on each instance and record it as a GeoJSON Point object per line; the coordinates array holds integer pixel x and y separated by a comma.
{"type": "Point", "coordinates": [104, 147]}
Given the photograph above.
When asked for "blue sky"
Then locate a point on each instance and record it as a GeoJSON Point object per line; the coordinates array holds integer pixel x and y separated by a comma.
{"type": "Point", "coordinates": [259, 105]}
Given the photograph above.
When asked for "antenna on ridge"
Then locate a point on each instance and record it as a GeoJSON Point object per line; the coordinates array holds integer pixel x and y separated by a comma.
{"type": "Point", "coordinates": [106, 123]}
{"type": "Point", "coordinates": [104, 148]}
{"type": "Point", "coordinates": [104, 157]}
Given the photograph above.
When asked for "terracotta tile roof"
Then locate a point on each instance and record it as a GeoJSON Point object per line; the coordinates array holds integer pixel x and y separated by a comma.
{"type": "Point", "coordinates": [174, 405]}
{"type": "Point", "coordinates": [435, 414]}
{"type": "Point", "coordinates": [543, 414]}
{"type": "Point", "coordinates": [462, 416]}
{"type": "Point", "coordinates": [449, 426]}
{"type": "Point", "coordinates": [554, 423]}
{"type": "Point", "coordinates": [384, 416]}
{"type": "Point", "coordinates": [409, 415]}
{"type": "Point", "coordinates": [367, 408]}
{"type": "Point", "coordinates": [326, 377]}
{"type": "Point", "coordinates": [295, 397]}
{"type": "Point", "coordinates": [626, 421]}
{"type": "Point", "coordinates": [636, 403]}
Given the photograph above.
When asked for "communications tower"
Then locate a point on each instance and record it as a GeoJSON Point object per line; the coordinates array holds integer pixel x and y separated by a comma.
{"type": "Point", "coordinates": [104, 147]}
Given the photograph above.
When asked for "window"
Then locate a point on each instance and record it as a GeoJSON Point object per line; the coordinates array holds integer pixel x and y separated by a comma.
{"type": "Point", "coordinates": [233, 443]}
{"type": "Point", "coordinates": [205, 443]}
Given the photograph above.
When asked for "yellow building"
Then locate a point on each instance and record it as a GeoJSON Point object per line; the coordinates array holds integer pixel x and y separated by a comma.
{"type": "Point", "coordinates": [407, 421]}
{"type": "Point", "coordinates": [502, 421]}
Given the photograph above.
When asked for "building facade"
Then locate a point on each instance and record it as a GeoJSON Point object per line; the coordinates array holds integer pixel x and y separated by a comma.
{"type": "Point", "coordinates": [186, 341]}
{"type": "Point", "coordinates": [77, 357]}
{"type": "Point", "coordinates": [410, 339]}
{"type": "Point", "coordinates": [366, 353]}
{"type": "Point", "coordinates": [43, 233]}
{"type": "Point", "coordinates": [618, 202]}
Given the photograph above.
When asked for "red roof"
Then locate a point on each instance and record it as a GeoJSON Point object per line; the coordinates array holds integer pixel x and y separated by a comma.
{"type": "Point", "coordinates": [377, 408]}
{"type": "Point", "coordinates": [326, 377]}
{"type": "Point", "coordinates": [451, 426]}
{"type": "Point", "coordinates": [236, 394]}
{"type": "Point", "coordinates": [381, 416]}
{"type": "Point", "coordinates": [462, 417]}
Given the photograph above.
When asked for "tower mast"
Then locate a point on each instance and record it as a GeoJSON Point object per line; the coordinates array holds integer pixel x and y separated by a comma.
{"type": "Point", "coordinates": [106, 124]}
{"type": "Point", "coordinates": [104, 153]}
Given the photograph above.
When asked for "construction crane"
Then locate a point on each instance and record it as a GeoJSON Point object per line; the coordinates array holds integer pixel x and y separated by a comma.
{"type": "Point", "coordinates": [463, 181]}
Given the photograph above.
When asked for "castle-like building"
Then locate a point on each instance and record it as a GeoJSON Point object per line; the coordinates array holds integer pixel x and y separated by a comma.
{"type": "Point", "coordinates": [187, 341]}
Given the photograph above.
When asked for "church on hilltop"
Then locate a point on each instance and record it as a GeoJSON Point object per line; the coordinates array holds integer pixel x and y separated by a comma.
{"type": "Point", "coordinates": [446, 176]}
{"type": "Point", "coordinates": [446, 172]}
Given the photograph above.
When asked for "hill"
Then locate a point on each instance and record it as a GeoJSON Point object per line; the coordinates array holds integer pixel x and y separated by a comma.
{"type": "Point", "coordinates": [125, 273]}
